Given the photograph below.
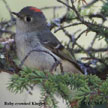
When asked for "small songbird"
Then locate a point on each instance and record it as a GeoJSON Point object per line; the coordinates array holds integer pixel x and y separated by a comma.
{"type": "Point", "coordinates": [33, 36]}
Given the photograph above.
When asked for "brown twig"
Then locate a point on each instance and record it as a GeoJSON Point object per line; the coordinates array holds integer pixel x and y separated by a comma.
{"type": "Point", "coordinates": [8, 8]}
{"type": "Point", "coordinates": [92, 50]}
{"type": "Point", "coordinates": [70, 25]}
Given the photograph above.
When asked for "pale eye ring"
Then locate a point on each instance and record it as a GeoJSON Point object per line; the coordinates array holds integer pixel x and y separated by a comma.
{"type": "Point", "coordinates": [28, 19]}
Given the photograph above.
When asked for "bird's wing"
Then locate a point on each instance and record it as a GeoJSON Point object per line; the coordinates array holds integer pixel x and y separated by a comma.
{"type": "Point", "coordinates": [52, 43]}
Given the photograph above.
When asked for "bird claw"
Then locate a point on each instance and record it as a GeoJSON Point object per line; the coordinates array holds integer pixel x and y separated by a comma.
{"type": "Point", "coordinates": [54, 66]}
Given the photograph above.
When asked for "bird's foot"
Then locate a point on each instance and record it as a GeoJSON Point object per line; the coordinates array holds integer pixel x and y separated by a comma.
{"type": "Point", "coordinates": [54, 66]}
{"type": "Point", "coordinates": [61, 68]}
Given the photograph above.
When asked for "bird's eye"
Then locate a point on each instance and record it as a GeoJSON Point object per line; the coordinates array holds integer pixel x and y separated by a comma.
{"type": "Point", "coordinates": [28, 18]}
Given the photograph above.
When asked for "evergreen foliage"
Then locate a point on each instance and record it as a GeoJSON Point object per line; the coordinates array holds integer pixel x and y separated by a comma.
{"type": "Point", "coordinates": [73, 88]}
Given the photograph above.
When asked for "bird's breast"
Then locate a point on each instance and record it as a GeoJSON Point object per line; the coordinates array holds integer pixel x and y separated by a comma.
{"type": "Point", "coordinates": [38, 60]}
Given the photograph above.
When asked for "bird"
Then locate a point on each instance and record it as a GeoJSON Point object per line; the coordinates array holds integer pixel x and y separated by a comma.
{"type": "Point", "coordinates": [34, 38]}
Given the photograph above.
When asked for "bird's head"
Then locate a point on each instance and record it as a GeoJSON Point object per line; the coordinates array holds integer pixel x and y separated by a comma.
{"type": "Point", "coordinates": [30, 19]}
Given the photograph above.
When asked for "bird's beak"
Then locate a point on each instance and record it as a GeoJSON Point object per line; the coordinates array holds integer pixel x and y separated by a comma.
{"type": "Point", "coordinates": [17, 14]}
